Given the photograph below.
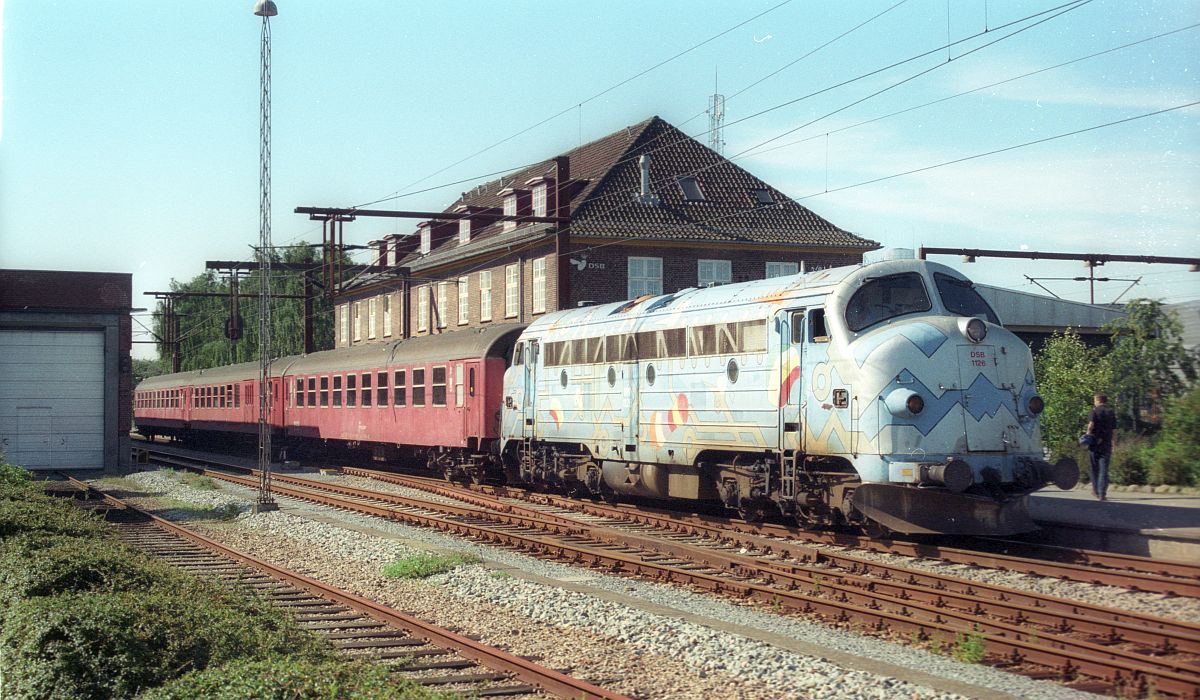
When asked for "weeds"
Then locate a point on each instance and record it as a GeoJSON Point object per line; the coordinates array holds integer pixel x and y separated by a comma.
{"type": "Point", "coordinates": [426, 564]}
{"type": "Point", "coordinates": [969, 647]}
{"type": "Point", "coordinates": [500, 574]}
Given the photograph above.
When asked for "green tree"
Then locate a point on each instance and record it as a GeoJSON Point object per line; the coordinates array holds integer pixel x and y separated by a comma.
{"type": "Point", "coordinates": [147, 368]}
{"type": "Point", "coordinates": [202, 340]}
{"type": "Point", "coordinates": [1148, 361]}
{"type": "Point", "coordinates": [1175, 458]}
{"type": "Point", "coordinates": [1069, 373]}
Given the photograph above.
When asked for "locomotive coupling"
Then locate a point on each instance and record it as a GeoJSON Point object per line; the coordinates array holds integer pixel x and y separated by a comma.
{"type": "Point", "coordinates": [955, 475]}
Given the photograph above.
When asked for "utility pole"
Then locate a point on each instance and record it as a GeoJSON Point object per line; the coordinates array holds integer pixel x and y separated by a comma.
{"type": "Point", "coordinates": [266, 501]}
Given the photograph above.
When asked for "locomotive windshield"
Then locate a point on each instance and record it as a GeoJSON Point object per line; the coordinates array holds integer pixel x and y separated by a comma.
{"type": "Point", "coordinates": [886, 297]}
{"type": "Point", "coordinates": [959, 297]}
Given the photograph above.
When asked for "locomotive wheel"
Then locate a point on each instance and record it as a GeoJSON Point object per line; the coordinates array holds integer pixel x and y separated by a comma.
{"type": "Point", "coordinates": [807, 519]}
{"type": "Point", "coordinates": [876, 530]}
{"type": "Point", "coordinates": [752, 513]}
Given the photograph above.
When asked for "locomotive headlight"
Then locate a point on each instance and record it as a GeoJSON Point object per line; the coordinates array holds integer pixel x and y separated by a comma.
{"type": "Point", "coordinates": [1036, 404]}
{"type": "Point", "coordinates": [974, 328]}
{"type": "Point", "coordinates": [905, 403]}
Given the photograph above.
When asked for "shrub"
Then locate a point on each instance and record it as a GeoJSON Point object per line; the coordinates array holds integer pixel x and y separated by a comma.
{"type": "Point", "coordinates": [36, 564]}
{"type": "Point", "coordinates": [116, 644]}
{"type": "Point", "coordinates": [291, 679]}
{"type": "Point", "coordinates": [45, 514]}
{"type": "Point", "coordinates": [1129, 460]}
{"type": "Point", "coordinates": [11, 475]}
{"type": "Point", "coordinates": [1176, 457]}
{"type": "Point", "coordinates": [425, 565]}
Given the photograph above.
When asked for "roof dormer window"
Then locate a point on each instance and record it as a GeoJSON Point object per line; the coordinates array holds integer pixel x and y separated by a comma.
{"type": "Point", "coordinates": [691, 189]}
{"type": "Point", "coordinates": [426, 238]}
{"type": "Point", "coordinates": [539, 199]}
{"type": "Point", "coordinates": [464, 231]}
{"type": "Point", "coordinates": [510, 209]}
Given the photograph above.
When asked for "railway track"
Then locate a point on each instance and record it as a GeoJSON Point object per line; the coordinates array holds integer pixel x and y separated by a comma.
{"type": "Point", "coordinates": [355, 626]}
{"type": "Point", "coordinates": [1090, 647]}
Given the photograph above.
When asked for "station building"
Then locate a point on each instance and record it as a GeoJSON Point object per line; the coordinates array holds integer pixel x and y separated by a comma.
{"type": "Point", "coordinates": [651, 211]}
{"type": "Point", "coordinates": [65, 369]}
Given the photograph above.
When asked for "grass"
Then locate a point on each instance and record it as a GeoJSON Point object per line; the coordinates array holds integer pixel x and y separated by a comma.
{"type": "Point", "coordinates": [227, 512]}
{"type": "Point", "coordinates": [197, 481]}
{"type": "Point", "coordinates": [969, 648]}
{"type": "Point", "coordinates": [426, 564]}
{"type": "Point", "coordinates": [120, 483]}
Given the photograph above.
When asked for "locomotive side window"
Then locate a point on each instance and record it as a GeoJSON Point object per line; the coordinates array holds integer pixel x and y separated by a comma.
{"type": "Point", "coordinates": [366, 389]}
{"type": "Point", "coordinates": [398, 389]}
{"type": "Point", "coordinates": [438, 386]}
{"type": "Point", "coordinates": [337, 391]}
{"type": "Point", "coordinates": [818, 331]}
{"type": "Point", "coordinates": [884, 298]}
{"type": "Point", "coordinates": [596, 351]}
{"type": "Point", "coordinates": [381, 389]}
{"type": "Point", "coordinates": [661, 345]}
{"type": "Point", "coordinates": [351, 390]}
{"type": "Point", "coordinates": [960, 298]}
{"type": "Point", "coordinates": [418, 387]}
{"type": "Point", "coordinates": [518, 356]}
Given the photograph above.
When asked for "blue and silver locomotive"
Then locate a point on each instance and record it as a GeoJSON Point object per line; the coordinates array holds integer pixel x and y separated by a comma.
{"type": "Point", "coordinates": [883, 396]}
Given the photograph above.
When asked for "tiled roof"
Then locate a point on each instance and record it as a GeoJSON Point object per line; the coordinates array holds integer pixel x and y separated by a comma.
{"type": "Point", "coordinates": [608, 176]}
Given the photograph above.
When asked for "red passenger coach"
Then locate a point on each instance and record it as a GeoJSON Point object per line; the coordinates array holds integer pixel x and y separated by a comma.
{"type": "Point", "coordinates": [436, 397]}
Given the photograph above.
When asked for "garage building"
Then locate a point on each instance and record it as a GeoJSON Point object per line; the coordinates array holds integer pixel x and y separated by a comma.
{"type": "Point", "coordinates": [65, 369]}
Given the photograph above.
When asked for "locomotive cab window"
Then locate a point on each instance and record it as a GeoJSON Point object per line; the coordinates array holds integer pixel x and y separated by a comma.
{"type": "Point", "coordinates": [960, 298]}
{"type": "Point", "coordinates": [884, 298]}
{"type": "Point", "coordinates": [818, 332]}
{"type": "Point", "coordinates": [798, 327]}
{"type": "Point", "coordinates": [519, 355]}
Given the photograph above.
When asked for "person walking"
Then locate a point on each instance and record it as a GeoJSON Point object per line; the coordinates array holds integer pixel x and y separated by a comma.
{"type": "Point", "coordinates": [1102, 426]}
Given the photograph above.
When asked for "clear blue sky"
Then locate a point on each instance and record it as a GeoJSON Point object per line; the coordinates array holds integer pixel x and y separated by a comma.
{"type": "Point", "coordinates": [130, 128]}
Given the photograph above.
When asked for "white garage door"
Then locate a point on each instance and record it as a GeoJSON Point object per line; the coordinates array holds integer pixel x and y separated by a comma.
{"type": "Point", "coordinates": [52, 398]}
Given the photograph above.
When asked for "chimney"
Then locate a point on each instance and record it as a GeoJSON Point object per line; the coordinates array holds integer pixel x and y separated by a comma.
{"type": "Point", "coordinates": [380, 252]}
{"type": "Point", "coordinates": [644, 196]}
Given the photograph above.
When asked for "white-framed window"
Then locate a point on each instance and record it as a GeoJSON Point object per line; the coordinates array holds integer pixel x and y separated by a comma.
{"type": "Point", "coordinates": [539, 285]}
{"type": "Point", "coordinates": [512, 290]}
{"type": "Point", "coordinates": [539, 199]}
{"type": "Point", "coordinates": [426, 239]}
{"type": "Point", "coordinates": [780, 269]}
{"type": "Point", "coordinates": [423, 308]}
{"type": "Point", "coordinates": [387, 315]}
{"type": "Point", "coordinates": [510, 209]}
{"type": "Point", "coordinates": [443, 307]}
{"type": "Point", "coordinates": [357, 307]}
{"type": "Point", "coordinates": [464, 230]}
{"type": "Point", "coordinates": [344, 323]}
{"type": "Point", "coordinates": [645, 276]}
{"type": "Point", "coordinates": [371, 312]}
{"type": "Point", "coordinates": [464, 300]}
{"type": "Point", "coordinates": [485, 295]}
{"type": "Point", "coordinates": [713, 272]}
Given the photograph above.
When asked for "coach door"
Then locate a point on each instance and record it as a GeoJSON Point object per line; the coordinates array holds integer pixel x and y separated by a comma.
{"type": "Point", "coordinates": [792, 331]}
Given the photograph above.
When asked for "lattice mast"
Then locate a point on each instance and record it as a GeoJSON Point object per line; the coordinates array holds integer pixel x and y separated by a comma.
{"type": "Point", "coordinates": [266, 501]}
{"type": "Point", "coordinates": [716, 120]}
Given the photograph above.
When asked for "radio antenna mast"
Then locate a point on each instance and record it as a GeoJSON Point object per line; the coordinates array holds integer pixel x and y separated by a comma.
{"type": "Point", "coordinates": [716, 119]}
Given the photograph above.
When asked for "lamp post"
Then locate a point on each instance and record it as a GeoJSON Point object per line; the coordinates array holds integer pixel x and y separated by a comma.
{"type": "Point", "coordinates": [266, 501]}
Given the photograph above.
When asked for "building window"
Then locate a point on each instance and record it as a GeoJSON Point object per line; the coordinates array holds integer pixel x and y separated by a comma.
{"type": "Point", "coordinates": [464, 300]}
{"type": "Point", "coordinates": [344, 324]}
{"type": "Point", "coordinates": [357, 306]}
{"type": "Point", "coordinates": [485, 295]}
{"type": "Point", "coordinates": [691, 189]}
{"type": "Point", "coordinates": [510, 209]}
{"type": "Point", "coordinates": [443, 307]}
{"type": "Point", "coordinates": [387, 315]}
{"type": "Point", "coordinates": [763, 197]}
{"type": "Point", "coordinates": [371, 311]}
{"type": "Point", "coordinates": [426, 239]}
{"type": "Point", "coordinates": [713, 272]}
{"type": "Point", "coordinates": [512, 290]}
{"type": "Point", "coordinates": [464, 230]}
{"type": "Point", "coordinates": [645, 276]}
{"type": "Point", "coordinates": [423, 308]}
{"type": "Point", "coordinates": [780, 269]}
{"type": "Point", "coordinates": [539, 285]}
{"type": "Point", "coordinates": [539, 200]}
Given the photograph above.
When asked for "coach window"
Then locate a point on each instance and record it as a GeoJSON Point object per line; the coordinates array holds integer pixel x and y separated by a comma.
{"type": "Point", "coordinates": [366, 389]}
{"type": "Point", "coordinates": [817, 330]}
{"type": "Point", "coordinates": [438, 386]}
{"type": "Point", "coordinates": [337, 391]}
{"type": "Point", "coordinates": [237, 395]}
{"type": "Point", "coordinates": [230, 398]}
{"type": "Point", "coordinates": [298, 395]}
{"type": "Point", "coordinates": [418, 387]}
{"type": "Point", "coordinates": [398, 389]}
{"type": "Point", "coordinates": [325, 391]}
{"type": "Point", "coordinates": [458, 385]}
{"type": "Point", "coordinates": [381, 389]}
{"type": "Point", "coordinates": [312, 392]}
{"type": "Point", "coordinates": [351, 390]}
{"type": "Point", "coordinates": [471, 383]}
